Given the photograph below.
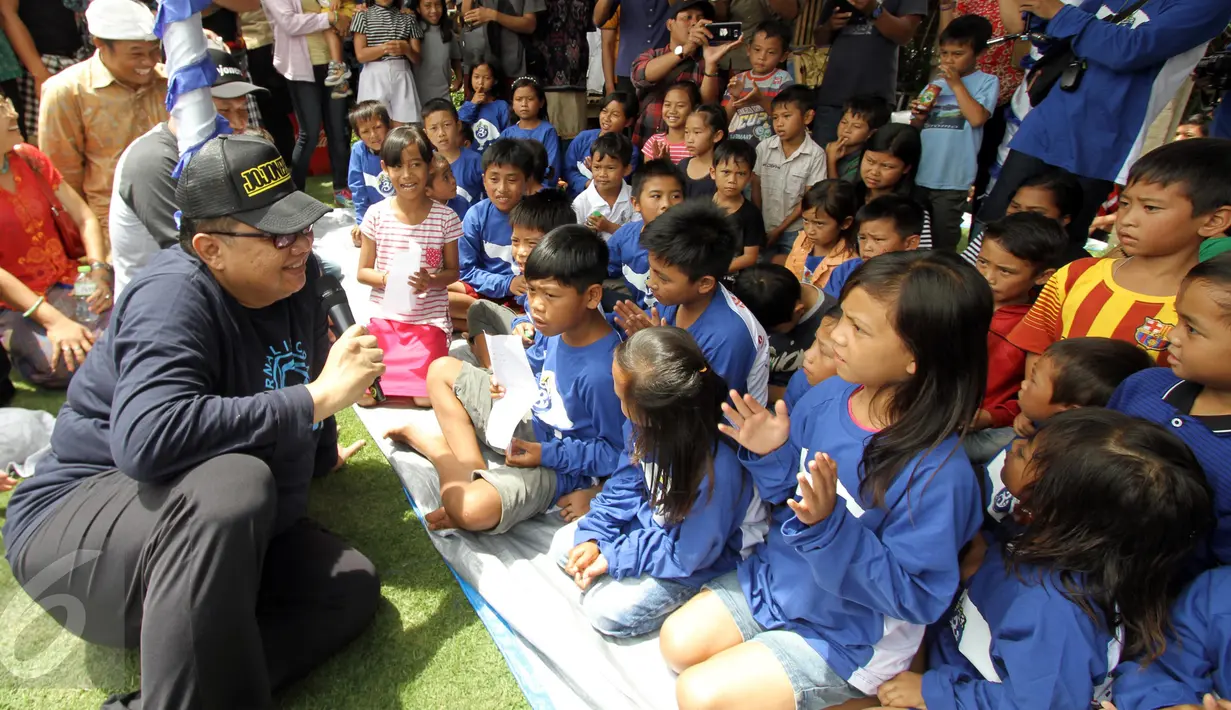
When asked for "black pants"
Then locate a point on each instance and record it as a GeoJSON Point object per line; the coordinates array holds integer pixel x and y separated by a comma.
{"type": "Point", "coordinates": [625, 83]}
{"type": "Point", "coordinates": [276, 105]}
{"type": "Point", "coordinates": [313, 106]}
{"type": "Point", "coordinates": [225, 612]}
{"type": "Point", "coordinates": [1017, 169]}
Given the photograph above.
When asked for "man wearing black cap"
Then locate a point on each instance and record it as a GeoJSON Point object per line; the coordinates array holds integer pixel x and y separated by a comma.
{"type": "Point", "coordinates": [142, 211]}
{"type": "Point", "coordinates": [688, 56]}
{"type": "Point", "coordinates": [171, 511]}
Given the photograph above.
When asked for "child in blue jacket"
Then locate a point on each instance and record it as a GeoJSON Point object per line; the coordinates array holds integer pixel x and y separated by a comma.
{"type": "Point", "coordinates": [1045, 618]}
{"type": "Point", "coordinates": [879, 499]}
{"type": "Point", "coordinates": [618, 113]}
{"type": "Point", "coordinates": [1196, 665]}
{"type": "Point", "coordinates": [669, 519]}
{"type": "Point", "coordinates": [485, 113]}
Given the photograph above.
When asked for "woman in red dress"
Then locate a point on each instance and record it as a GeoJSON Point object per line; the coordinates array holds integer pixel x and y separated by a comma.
{"type": "Point", "coordinates": [37, 309]}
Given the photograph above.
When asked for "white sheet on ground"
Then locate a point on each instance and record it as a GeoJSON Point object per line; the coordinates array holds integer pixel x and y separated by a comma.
{"type": "Point", "coordinates": [561, 661]}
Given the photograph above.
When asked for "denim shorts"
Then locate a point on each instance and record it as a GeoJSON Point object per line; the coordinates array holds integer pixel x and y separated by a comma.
{"type": "Point", "coordinates": [623, 608]}
{"type": "Point", "coordinates": [816, 685]}
{"type": "Point", "coordinates": [783, 246]}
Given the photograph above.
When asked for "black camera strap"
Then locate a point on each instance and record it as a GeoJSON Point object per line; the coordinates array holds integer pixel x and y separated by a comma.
{"type": "Point", "coordinates": [1060, 58]}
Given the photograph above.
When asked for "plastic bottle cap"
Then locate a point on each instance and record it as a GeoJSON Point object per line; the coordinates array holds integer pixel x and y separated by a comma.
{"type": "Point", "coordinates": [83, 269]}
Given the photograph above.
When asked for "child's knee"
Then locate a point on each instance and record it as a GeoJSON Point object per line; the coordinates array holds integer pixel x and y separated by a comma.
{"type": "Point", "coordinates": [678, 643]}
{"type": "Point", "coordinates": [473, 508]}
{"type": "Point", "coordinates": [695, 691]}
{"type": "Point", "coordinates": [443, 372]}
{"type": "Point", "coordinates": [562, 544]}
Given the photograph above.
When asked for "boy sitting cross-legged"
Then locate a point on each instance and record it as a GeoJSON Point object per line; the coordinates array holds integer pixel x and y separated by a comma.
{"type": "Point", "coordinates": [689, 249]}
{"type": "Point", "coordinates": [657, 186]}
{"type": "Point", "coordinates": [574, 431]}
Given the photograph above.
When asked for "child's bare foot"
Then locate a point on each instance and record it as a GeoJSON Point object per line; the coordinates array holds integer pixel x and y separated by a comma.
{"type": "Point", "coordinates": [439, 520]}
{"type": "Point", "coordinates": [426, 444]}
{"type": "Point", "coordinates": [576, 504]}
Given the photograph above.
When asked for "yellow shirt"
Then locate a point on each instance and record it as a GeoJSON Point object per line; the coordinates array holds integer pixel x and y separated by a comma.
{"type": "Point", "coordinates": [87, 119]}
{"type": "Point", "coordinates": [318, 50]}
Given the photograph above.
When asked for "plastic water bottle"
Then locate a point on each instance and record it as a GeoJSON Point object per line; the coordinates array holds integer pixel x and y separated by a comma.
{"type": "Point", "coordinates": [83, 288]}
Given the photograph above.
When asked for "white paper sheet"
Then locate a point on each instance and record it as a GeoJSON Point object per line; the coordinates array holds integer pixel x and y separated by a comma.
{"type": "Point", "coordinates": [399, 296]}
{"type": "Point", "coordinates": [521, 388]}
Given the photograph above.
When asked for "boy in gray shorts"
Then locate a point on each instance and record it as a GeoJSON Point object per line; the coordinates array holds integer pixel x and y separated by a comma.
{"type": "Point", "coordinates": [574, 431]}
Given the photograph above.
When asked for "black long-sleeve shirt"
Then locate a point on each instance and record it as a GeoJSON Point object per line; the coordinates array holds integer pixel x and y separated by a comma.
{"type": "Point", "coordinates": [185, 374]}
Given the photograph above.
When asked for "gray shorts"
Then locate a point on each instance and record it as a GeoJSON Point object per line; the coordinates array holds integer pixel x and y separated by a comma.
{"type": "Point", "coordinates": [524, 492]}
{"type": "Point", "coordinates": [489, 318]}
{"type": "Point", "coordinates": [816, 685]}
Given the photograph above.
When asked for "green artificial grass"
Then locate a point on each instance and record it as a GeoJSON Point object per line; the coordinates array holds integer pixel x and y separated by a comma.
{"type": "Point", "coordinates": [425, 649]}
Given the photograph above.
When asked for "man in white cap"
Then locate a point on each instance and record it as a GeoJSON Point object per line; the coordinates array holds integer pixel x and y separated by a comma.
{"type": "Point", "coordinates": [142, 213]}
{"type": "Point", "coordinates": [91, 111]}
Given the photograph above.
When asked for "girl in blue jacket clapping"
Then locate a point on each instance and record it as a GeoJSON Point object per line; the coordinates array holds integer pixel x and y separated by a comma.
{"type": "Point", "coordinates": [669, 519]}
{"type": "Point", "coordinates": [835, 601]}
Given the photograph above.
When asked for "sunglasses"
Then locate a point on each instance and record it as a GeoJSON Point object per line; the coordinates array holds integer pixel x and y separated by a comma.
{"type": "Point", "coordinates": [280, 241]}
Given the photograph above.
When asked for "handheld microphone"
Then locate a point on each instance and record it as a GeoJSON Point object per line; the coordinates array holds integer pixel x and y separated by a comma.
{"type": "Point", "coordinates": [333, 298]}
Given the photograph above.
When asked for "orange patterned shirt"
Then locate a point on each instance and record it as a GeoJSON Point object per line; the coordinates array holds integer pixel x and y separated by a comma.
{"type": "Point", "coordinates": [87, 119]}
{"type": "Point", "coordinates": [1083, 300]}
{"type": "Point", "coordinates": [31, 249]}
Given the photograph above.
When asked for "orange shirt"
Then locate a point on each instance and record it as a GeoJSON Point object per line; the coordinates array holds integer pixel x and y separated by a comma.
{"type": "Point", "coordinates": [1082, 300]}
{"type": "Point", "coordinates": [87, 119]}
{"type": "Point", "coordinates": [31, 249]}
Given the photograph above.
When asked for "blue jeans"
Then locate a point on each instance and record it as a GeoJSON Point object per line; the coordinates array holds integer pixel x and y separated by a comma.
{"type": "Point", "coordinates": [313, 107]}
{"type": "Point", "coordinates": [623, 608]}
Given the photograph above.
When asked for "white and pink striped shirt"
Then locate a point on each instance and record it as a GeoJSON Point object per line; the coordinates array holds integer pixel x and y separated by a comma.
{"type": "Point", "coordinates": [393, 237]}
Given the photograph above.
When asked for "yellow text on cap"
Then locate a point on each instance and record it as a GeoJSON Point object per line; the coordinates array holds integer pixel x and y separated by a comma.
{"type": "Point", "coordinates": [265, 176]}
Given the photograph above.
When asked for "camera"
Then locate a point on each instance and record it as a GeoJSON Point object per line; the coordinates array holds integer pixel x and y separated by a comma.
{"type": "Point", "coordinates": [1214, 71]}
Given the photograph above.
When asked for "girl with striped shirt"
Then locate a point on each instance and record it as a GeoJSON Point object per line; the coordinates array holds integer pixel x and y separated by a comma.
{"type": "Point", "coordinates": [414, 331]}
{"type": "Point", "coordinates": [387, 42]}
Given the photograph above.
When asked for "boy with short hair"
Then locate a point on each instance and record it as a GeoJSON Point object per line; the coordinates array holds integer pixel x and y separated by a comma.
{"type": "Point", "coordinates": [689, 249]}
{"type": "Point", "coordinates": [788, 164]}
{"type": "Point", "coordinates": [657, 186]}
{"type": "Point", "coordinates": [531, 220]}
{"type": "Point", "coordinates": [789, 311]}
{"type": "Point", "coordinates": [749, 94]}
{"type": "Point", "coordinates": [819, 363]}
{"type": "Point", "coordinates": [618, 113]}
{"type": "Point", "coordinates": [574, 431]}
{"type": "Point", "coordinates": [1177, 196]}
{"type": "Point", "coordinates": [1078, 372]}
{"type": "Point", "coordinates": [366, 179]}
{"type": "Point", "coordinates": [484, 253]}
{"type": "Point", "coordinates": [887, 224]}
{"type": "Point", "coordinates": [444, 130]}
{"type": "Point", "coordinates": [731, 172]}
{"type": "Point", "coordinates": [953, 128]}
{"type": "Point", "coordinates": [862, 117]}
{"type": "Point", "coordinates": [1019, 254]}
{"type": "Point", "coordinates": [540, 164]}
{"type": "Point", "coordinates": [606, 204]}
{"type": "Point", "coordinates": [1193, 398]}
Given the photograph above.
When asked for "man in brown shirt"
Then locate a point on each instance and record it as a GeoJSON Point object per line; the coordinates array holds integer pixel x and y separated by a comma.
{"type": "Point", "coordinates": [91, 111]}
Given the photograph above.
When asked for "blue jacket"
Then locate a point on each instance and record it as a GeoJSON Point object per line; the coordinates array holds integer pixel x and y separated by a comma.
{"type": "Point", "coordinates": [796, 388]}
{"type": "Point", "coordinates": [574, 169]}
{"type": "Point", "coordinates": [628, 259]}
{"type": "Point", "coordinates": [487, 121]}
{"type": "Point", "coordinates": [544, 133]}
{"type": "Point", "coordinates": [1157, 395]}
{"type": "Point", "coordinates": [485, 251]}
{"type": "Point", "coordinates": [841, 273]}
{"type": "Point", "coordinates": [1133, 70]}
{"type": "Point", "coordinates": [1198, 655]}
{"type": "Point", "coordinates": [468, 171]}
{"type": "Point", "coordinates": [865, 580]}
{"type": "Point", "coordinates": [733, 342]}
{"type": "Point", "coordinates": [364, 179]}
{"type": "Point", "coordinates": [538, 349]}
{"type": "Point", "coordinates": [577, 417]}
{"type": "Point", "coordinates": [1015, 641]}
{"type": "Point", "coordinates": [637, 542]}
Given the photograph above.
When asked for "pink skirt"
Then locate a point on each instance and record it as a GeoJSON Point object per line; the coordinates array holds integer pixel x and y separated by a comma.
{"type": "Point", "coordinates": [409, 350]}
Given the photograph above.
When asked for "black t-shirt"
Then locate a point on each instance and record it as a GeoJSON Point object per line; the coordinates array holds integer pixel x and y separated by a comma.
{"type": "Point", "coordinates": [704, 187]}
{"type": "Point", "coordinates": [786, 350]}
{"type": "Point", "coordinates": [53, 27]}
{"type": "Point", "coordinates": [225, 23]}
{"type": "Point", "coordinates": [749, 227]}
